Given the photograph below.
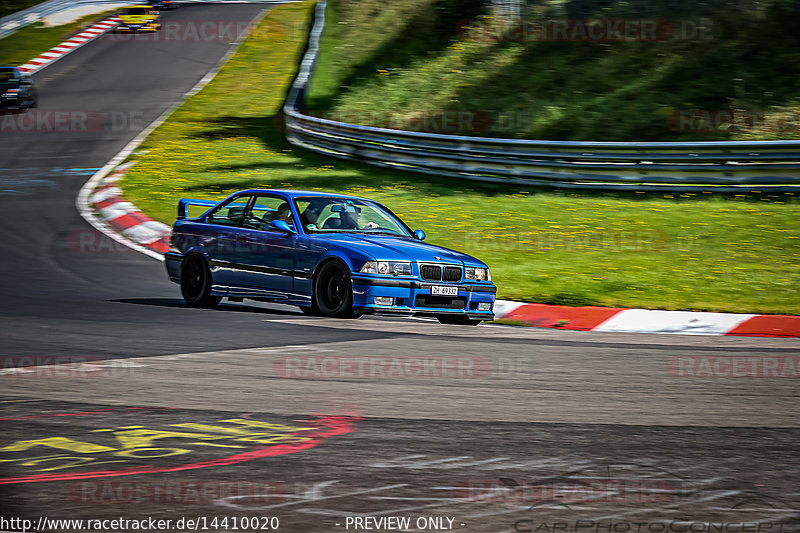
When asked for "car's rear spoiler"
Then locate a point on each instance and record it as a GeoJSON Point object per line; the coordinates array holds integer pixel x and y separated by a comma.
{"type": "Point", "coordinates": [184, 203]}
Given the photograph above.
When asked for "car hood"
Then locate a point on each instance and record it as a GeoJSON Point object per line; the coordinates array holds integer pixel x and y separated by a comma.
{"type": "Point", "coordinates": [386, 247]}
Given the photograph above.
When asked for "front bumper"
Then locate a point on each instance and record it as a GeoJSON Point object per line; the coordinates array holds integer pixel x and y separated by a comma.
{"type": "Point", "coordinates": [12, 103]}
{"type": "Point", "coordinates": [124, 28]}
{"type": "Point", "coordinates": [411, 296]}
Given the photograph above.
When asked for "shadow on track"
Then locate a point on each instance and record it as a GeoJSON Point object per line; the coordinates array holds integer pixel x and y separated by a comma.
{"type": "Point", "coordinates": [178, 303]}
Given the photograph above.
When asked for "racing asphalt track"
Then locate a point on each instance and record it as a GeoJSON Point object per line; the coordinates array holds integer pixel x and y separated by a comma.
{"type": "Point", "coordinates": [577, 414]}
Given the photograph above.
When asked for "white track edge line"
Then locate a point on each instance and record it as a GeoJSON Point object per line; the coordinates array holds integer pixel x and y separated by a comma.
{"type": "Point", "coordinates": [82, 200]}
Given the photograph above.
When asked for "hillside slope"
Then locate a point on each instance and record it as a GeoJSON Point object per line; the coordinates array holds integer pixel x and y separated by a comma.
{"type": "Point", "coordinates": [569, 71]}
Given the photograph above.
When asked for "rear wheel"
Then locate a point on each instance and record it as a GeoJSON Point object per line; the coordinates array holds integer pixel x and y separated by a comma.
{"type": "Point", "coordinates": [333, 292]}
{"type": "Point", "coordinates": [463, 320]}
{"type": "Point", "coordinates": [196, 283]}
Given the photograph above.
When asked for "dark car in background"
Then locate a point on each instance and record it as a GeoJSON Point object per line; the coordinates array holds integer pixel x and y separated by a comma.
{"type": "Point", "coordinates": [17, 91]}
{"type": "Point", "coordinates": [163, 4]}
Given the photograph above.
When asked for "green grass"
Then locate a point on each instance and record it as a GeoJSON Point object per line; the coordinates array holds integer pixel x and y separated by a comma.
{"type": "Point", "coordinates": [30, 41]}
{"type": "Point", "coordinates": [393, 61]}
{"type": "Point", "coordinates": [739, 254]}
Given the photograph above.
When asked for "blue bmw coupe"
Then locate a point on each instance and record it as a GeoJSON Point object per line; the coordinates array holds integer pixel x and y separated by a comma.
{"type": "Point", "coordinates": [330, 254]}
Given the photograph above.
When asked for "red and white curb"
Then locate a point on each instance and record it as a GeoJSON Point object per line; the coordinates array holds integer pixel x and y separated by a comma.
{"type": "Point", "coordinates": [57, 52]}
{"type": "Point", "coordinates": [621, 320]}
{"type": "Point", "coordinates": [125, 218]}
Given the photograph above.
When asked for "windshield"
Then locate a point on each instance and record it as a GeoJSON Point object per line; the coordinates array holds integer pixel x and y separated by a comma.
{"type": "Point", "coordinates": [329, 215]}
{"type": "Point", "coordinates": [136, 11]}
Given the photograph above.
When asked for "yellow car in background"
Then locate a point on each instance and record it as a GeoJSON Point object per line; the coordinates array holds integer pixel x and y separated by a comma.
{"type": "Point", "coordinates": [138, 18]}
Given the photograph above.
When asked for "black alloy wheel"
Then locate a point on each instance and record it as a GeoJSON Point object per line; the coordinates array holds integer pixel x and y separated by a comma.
{"type": "Point", "coordinates": [196, 283]}
{"type": "Point", "coordinates": [333, 291]}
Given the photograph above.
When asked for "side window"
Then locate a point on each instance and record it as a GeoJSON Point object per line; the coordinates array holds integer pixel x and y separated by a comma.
{"type": "Point", "coordinates": [265, 210]}
{"type": "Point", "coordinates": [230, 213]}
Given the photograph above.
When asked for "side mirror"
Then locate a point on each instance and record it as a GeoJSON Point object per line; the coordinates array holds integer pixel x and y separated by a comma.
{"type": "Point", "coordinates": [282, 226]}
{"type": "Point", "coordinates": [419, 234]}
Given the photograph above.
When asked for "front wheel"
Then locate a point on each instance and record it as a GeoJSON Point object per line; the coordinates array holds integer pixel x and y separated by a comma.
{"type": "Point", "coordinates": [333, 291]}
{"type": "Point", "coordinates": [196, 283]}
{"type": "Point", "coordinates": [463, 320]}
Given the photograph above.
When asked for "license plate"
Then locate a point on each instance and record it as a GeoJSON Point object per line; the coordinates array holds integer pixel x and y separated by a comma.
{"type": "Point", "coordinates": [438, 290]}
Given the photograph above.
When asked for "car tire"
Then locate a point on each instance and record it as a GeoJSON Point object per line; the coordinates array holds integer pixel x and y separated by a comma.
{"type": "Point", "coordinates": [463, 320]}
{"type": "Point", "coordinates": [333, 292]}
{"type": "Point", "coordinates": [196, 283]}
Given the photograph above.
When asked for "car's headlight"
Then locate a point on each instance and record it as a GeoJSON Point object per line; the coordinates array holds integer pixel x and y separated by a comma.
{"type": "Point", "coordinates": [389, 268]}
{"type": "Point", "coordinates": [478, 274]}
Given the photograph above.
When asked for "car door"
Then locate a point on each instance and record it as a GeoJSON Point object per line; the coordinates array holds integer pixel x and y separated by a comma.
{"type": "Point", "coordinates": [222, 241]}
{"type": "Point", "coordinates": [265, 257]}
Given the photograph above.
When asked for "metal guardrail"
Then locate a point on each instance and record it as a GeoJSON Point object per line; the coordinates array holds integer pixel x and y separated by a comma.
{"type": "Point", "coordinates": [671, 166]}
